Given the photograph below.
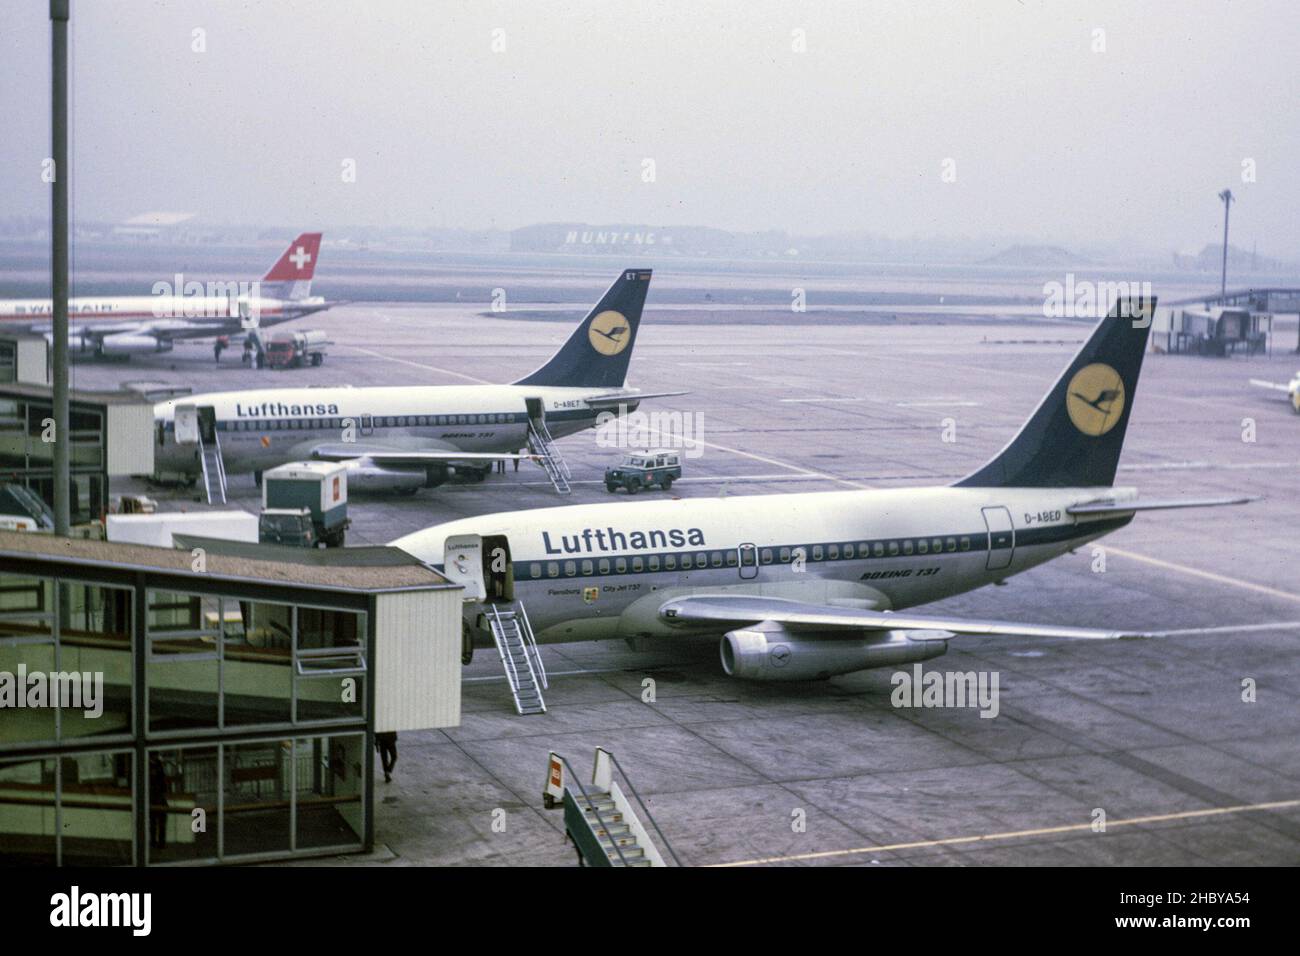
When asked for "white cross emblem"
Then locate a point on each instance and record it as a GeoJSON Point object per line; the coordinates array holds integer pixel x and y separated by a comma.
{"type": "Point", "coordinates": [300, 257]}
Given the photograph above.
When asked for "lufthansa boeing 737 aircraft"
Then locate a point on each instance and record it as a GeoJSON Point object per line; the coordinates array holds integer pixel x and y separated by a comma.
{"type": "Point", "coordinates": [407, 438]}
{"type": "Point", "coordinates": [812, 585]}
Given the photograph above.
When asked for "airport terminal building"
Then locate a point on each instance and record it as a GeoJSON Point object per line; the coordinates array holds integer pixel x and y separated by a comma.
{"type": "Point", "coordinates": [163, 706]}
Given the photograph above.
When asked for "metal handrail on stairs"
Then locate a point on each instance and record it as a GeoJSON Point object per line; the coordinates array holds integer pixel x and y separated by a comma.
{"type": "Point", "coordinates": [547, 440]}
{"type": "Point", "coordinates": [530, 643]}
{"type": "Point", "coordinates": [571, 775]}
{"type": "Point", "coordinates": [507, 659]}
{"type": "Point", "coordinates": [646, 810]}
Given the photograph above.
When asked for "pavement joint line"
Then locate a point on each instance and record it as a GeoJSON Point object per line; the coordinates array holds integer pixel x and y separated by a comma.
{"type": "Point", "coordinates": [1013, 834]}
{"type": "Point", "coordinates": [762, 458]}
{"type": "Point", "coordinates": [1206, 575]}
{"type": "Point", "coordinates": [431, 368]}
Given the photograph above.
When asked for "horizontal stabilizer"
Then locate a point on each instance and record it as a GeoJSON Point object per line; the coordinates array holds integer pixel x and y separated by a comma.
{"type": "Point", "coordinates": [1127, 507]}
{"type": "Point", "coordinates": [629, 398]}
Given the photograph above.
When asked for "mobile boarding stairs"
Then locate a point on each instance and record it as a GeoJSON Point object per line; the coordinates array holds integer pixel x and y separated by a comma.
{"type": "Point", "coordinates": [606, 827]}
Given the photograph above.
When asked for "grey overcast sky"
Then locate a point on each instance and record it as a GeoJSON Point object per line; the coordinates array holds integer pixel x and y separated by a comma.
{"type": "Point", "coordinates": [1049, 137]}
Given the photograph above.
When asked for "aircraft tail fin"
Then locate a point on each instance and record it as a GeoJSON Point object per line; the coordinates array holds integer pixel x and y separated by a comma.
{"type": "Point", "coordinates": [290, 277]}
{"type": "Point", "coordinates": [597, 354]}
{"type": "Point", "coordinates": [1074, 437]}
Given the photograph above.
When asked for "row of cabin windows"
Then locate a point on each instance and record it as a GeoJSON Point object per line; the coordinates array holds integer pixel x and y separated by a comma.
{"type": "Point", "coordinates": [717, 559]}
{"type": "Point", "coordinates": [379, 421]}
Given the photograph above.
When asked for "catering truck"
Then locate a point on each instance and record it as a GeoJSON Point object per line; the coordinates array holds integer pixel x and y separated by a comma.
{"type": "Point", "coordinates": [305, 504]}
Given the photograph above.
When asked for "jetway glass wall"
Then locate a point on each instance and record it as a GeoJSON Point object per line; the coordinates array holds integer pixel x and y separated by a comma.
{"type": "Point", "coordinates": [27, 452]}
{"type": "Point", "coordinates": [222, 728]}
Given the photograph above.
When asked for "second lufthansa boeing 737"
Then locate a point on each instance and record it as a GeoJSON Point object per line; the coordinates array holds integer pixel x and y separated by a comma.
{"type": "Point", "coordinates": [411, 437]}
{"type": "Point", "coordinates": [812, 585]}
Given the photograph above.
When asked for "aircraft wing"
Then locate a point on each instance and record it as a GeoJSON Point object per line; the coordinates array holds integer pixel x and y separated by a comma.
{"type": "Point", "coordinates": [1273, 385]}
{"type": "Point", "coordinates": [347, 451]}
{"type": "Point", "coordinates": [1155, 504]}
{"type": "Point", "coordinates": [161, 328]}
{"type": "Point", "coordinates": [628, 398]}
{"type": "Point", "coordinates": [740, 609]}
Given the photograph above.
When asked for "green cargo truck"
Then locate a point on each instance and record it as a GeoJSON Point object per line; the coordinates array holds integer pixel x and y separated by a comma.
{"type": "Point", "coordinates": [305, 504]}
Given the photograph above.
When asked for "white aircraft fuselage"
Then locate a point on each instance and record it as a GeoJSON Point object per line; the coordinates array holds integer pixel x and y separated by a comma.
{"type": "Point", "coordinates": [591, 572]}
{"type": "Point", "coordinates": [263, 428]}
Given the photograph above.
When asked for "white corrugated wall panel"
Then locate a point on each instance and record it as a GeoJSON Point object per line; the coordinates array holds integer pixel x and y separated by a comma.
{"type": "Point", "coordinates": [417, 670]}
{"type": "Point", "coordinates": [130, 439]}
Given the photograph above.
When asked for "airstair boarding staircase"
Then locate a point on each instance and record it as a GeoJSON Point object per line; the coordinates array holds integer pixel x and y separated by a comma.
{"type": "Point", "coordinates": [604, 825]}
{"type": "Point", "coordinates": [214, 469]}
{"type": "Point", "coordinates": [541, 444]}
{"type": "Point", "coordinates": [519, 657]}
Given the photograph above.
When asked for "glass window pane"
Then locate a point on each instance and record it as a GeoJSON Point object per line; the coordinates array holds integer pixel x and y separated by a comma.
{"type": "Point", "coordinates": [95, 638]}
{"type": "Point", "coordinates": [329, 790]}
{"type": "Point", "coordinates": [98, 822]}
{"type": "Point", "coordinates": [27, 724]}
{"type": "Point", "coordinates": [257, 662]}
{"type": "Point", "coordinates": [178, 783]}
{"type": "Point", "coordinates": [27, 833]}
{"type": "Point", "coordinates": [182, 667]}
{"type": "Point", "coordinates": [331, 667]}
{"type": "Point", "coordinates": [257, 793]}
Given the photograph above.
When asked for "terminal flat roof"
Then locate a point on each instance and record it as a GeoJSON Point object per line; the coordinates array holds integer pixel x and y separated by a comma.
{"type": "Point", "coordinates": [373, 569]}
{"type": "Point", "coordinates": [121, 396]}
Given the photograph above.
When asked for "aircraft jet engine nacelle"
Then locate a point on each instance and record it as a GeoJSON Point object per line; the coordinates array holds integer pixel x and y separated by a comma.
{"type": "Point", "coordinates": [770, 651]}
{"type": "Point", "coordinates": [133, 344]}
{"type": "Point", "coordinates": [366, 476]}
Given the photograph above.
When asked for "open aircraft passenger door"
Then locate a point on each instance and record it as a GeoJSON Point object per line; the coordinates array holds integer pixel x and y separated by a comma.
{"type": "Point", "coordinates": [187, 425]}
{"type": "Point", "coordinates": [536, 410]}
{"type": "Point", "coordinates": [462, 563]}
{"type": "Point", "coordinates": [195, 423]}
{"type": "Point", "coordinates": [481, 566]}
{"type": "Point", "coordinates": [1002, 538]}
{"type": "Point", "coordinates": [498, 572]}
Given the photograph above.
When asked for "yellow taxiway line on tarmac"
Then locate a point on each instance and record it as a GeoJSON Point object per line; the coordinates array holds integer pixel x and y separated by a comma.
{"type": "Point", "coordinates": [1013, 834]}
{"type": "Point", "coordinates": [1207, 575]}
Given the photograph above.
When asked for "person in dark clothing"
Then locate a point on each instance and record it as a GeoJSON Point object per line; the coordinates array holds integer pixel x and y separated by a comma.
{"type": "Point", "coordinates": [386, 744]}
{"type": "Point", "coordinates": [157, 802]}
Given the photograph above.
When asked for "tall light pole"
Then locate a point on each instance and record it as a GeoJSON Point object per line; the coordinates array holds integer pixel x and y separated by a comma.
{"type": "Point", "coordinates": [59, 261]}
{"type": "Point", "coordinates": [1227, 198]}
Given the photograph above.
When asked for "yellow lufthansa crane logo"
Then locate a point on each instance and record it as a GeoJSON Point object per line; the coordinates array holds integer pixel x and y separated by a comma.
{"type": "Point", "coordinates": [609, 332]}
{"type": "Point", "coordinates": [1095, 399]}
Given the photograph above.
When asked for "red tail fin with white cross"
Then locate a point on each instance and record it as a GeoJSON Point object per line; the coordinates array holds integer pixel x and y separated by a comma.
{"type": "Point", "coordinates": [290, 277]}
